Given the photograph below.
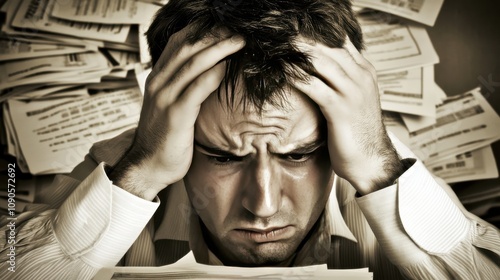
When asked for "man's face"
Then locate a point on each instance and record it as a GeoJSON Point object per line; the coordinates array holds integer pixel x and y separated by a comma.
{"type": "Point", "coordinates": [259, 182]}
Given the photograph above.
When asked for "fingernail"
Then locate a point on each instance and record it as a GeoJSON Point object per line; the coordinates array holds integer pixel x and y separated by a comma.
{"type": "Point", "coordinates": [237, 39]}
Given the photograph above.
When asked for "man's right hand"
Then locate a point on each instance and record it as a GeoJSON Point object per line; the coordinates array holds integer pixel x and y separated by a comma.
{"type": "Point", "coordinates": [183, 77]}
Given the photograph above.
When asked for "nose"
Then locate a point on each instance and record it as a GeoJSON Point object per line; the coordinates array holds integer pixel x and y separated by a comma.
{"type": "Point", "coordinates": [262, 190]}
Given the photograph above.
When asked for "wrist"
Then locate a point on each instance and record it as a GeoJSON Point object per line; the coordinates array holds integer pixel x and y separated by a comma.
{"type": "Point", "coordinates": [382, 173]}
{"type": "Point", "coordinates": [133, 179]}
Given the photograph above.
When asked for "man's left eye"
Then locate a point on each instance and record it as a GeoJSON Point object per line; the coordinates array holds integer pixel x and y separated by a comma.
{"type": "Point", "coordinates": [297, 157]}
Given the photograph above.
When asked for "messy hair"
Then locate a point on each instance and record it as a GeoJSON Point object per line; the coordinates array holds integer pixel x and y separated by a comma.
{"type": "Point", "coordinates": [269, 60]}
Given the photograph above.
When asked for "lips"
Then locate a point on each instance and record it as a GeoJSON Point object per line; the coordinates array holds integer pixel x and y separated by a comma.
{"type": "Point", "coordinates": [265, 235]}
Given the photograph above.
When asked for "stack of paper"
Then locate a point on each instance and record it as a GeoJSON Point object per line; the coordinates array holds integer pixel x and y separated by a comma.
{"type": "Point", "coordinates": [68, 76]}
{"type": "Point", "coordinates": [187, 268]}
{"type": "Point", "coordinates": [452, 136]}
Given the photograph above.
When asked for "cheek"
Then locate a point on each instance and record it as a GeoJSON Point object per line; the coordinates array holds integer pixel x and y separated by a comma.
{"type": "Point", "coordinates": [310, 188]}
{"type": "Point", "coordinates": [211, 199]}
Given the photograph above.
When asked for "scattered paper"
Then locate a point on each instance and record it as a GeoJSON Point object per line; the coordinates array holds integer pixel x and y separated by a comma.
{"type": "Point", "coordinates": [461, 120]}
{"type": "Point", "coordinates": [35, 14]}
{"type": "Point", "coordinates": [187, 268]}
{"type": "Point", "coordinates": [395, 45]}
{"type": "Point", "coordinates": [57, 134]}
{"type": "Point", "coordinates": [423, 11]}
{"type": "Point", "coordinates": [105, 11]}
{"type": "Point", "coordinates": [408, 91]}
{"type": "Point", "coordinates": [474, 165]}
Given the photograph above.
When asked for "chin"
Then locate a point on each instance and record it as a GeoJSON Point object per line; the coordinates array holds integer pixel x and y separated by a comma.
{"type": "Point", "coordinates": [267, 254]}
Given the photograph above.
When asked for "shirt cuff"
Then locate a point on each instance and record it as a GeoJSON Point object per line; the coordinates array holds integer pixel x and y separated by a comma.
{"type": "Point", "coordinates": [99, 221]}
{"type": "Point", "coordinates": [415, 211]}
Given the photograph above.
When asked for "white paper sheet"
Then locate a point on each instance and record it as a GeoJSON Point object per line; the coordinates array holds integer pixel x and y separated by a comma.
{"type": "Point", "coordinates": [395, 45]}
{"type": "Point", "coordinates": [463, 119]}
{"type": "Point", "coordinates": [15, 70]}
{"type": "Point", "coordinates": [187, 268]}
{"type": "Point", "coordinates": [55, 135]}
{"type": "Point", "coordinates": [105, 11]}
{"type": "Point", "coordinates": [35, 14]}
{"type": "Point", "coordinates": [408, 91]}
{"type": "Point", "coordinates": [11, 48]}
{"type": "Point", "coordinates": [423, 11]}
{"type": "Point", "coordinates": [474, 165]}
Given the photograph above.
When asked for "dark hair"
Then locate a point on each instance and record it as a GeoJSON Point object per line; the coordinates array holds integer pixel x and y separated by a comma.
{"type": "Point", "coordinates": [269, 60]}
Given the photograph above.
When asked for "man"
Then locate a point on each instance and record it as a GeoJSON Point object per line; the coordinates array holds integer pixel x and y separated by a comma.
{"type": "Point", "coordinates": [269, 115]}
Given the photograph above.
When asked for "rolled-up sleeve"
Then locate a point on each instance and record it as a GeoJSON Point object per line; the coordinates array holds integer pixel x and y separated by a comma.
{"type": "Point", "coordinates": [93, 228]}
{"type": "Point", "coordinates": [425, 231]}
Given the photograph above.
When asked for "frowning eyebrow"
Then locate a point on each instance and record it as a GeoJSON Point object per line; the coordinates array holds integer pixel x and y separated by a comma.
{"type": "Point", "coordinates": [304, 148]}
{"type": "Point", "coordinates": [214, 151]}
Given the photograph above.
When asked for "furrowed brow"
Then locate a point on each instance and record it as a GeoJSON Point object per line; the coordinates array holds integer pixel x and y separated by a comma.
{"type": "Point", "coordinates": [307, 148]}
{"type": "Point", "coordinates": [215, 151]}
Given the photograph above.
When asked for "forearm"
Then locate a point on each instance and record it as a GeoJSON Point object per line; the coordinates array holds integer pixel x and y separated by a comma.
{"type": "Point", "coordinates": [93, 228]}
{"type": "Point", "coordinates": [424, 232]}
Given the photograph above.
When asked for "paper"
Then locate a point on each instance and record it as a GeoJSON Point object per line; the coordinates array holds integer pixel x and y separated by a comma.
{"type": "Point", "coordinates": [105, 11]}
{"type": "Point", "coordinates": [18, 69]}
{"type": "Point", "coordinates": [463, 119]}
{"type": "Point", "coordinates": [408, 91]}
{"type": "Point", "coordinates": [57, 134]}
{"type": "Point", "coordinates": [394, 45]}
{"type": "Point", "coordinates": [474, 165]}
{"type": "Point", "coordinates": [187, 268]}
{"type": "Point", "coordinates": [35, 14]}
{"type": "Point", "coordinates": [10, 49]}
{"type": "Point", "coordinates": [423, 11]}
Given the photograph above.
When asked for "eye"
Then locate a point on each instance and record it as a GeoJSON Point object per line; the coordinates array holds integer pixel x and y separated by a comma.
{"type": "Point", "coordinates": [223, 160]}
{"type": "Point", "coordinates": [297, 157]}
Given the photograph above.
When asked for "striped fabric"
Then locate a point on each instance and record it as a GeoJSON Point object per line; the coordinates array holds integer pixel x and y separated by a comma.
{"type": "Point", "coordinates": [415, 228]}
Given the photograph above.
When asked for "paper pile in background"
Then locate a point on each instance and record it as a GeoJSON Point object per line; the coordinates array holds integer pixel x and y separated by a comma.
{"type": "Point", "coordinates": [452, 136]}
{"type": "Point", "coordinates": [58, 55]}
{"type": "Point", "coordinates": [187, 268]}
{"type": "Point", "coordinates": [68, 76]}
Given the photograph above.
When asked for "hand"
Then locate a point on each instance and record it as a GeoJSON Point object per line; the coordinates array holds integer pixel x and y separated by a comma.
{"type": "Point", "coordinates": [345, 88]}
{"type": "Point", "coordinates": [184, 76]}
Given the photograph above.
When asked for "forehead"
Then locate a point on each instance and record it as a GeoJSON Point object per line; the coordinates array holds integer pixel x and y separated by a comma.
{"type": "Point", "coordinates": [232, 128]}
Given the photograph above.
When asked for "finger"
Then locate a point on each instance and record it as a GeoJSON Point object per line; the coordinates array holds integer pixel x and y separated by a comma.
{"type": "Point", "coordinates": [359, 58]}
{"type": "Point", "coordinates": [178, 51]}
{"type": "Point", "coordinates": [201, 62]}
{"type": "Point", "coordinates": [321, 93]}
{"type": "Point", "coordinates": [330, 70]}
{"type": "Point", "coordinates": [204, 85]}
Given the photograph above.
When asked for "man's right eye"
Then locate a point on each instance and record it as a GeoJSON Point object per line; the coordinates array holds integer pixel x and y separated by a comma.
{"type": "Point", "coordinates": [223, 160]}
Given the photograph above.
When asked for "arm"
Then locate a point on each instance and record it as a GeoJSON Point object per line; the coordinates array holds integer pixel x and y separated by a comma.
{"type": "Point", "coordinates": [422, 229]}
{"type": "Point", "coordinates": [111, 201]}
{"type": "Point", "coordinates": [61, 239]}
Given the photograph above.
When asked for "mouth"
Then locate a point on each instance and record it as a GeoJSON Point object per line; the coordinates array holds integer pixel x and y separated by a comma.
{"type": "Point", "coordinates": [265, 235]}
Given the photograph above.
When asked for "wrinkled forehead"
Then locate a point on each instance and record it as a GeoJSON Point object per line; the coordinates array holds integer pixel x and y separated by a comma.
{"type": "Point", "coordinates": [297, 118]}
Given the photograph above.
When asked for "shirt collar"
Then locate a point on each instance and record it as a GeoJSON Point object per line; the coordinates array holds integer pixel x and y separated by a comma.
{"type": "Point", "coordinates": [175, 224]}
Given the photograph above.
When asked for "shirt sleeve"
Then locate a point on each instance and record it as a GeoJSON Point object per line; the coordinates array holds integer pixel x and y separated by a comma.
{"type": "Point", "coordinates": [92, 228]}
{"type": "Point", "coordinates": [425, 231]}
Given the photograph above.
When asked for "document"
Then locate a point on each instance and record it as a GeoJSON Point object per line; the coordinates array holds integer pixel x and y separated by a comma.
{"type": "Point", "coordinates": [423, 11]}
{"type": "Point", "coordinates": [11, 48]}
{"type": "Point", "coordinates": [460, 120]}
{"type": "Point", "coordinates": [474, 165]}
{"type": "Point", "coordinates": [408, 91]}
{"type": "Point", "coordinates": [105, 11]}
{"type": "Point", "coordinates": [395, 45]}
{"type": "Point", "coordinates": [35, 14]}
{"type": "Point", "coordinates": [187, 268]}
{"type": "Point", "coordinates": [55, 135]}
{"type": "Point", "coordinates": [41, 91]}
{"type": "Point", "coordinates": [18, 69]}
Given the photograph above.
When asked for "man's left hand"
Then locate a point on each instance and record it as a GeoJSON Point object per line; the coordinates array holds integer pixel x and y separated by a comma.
{"type": "Point", "coordinates": [345, 88]}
